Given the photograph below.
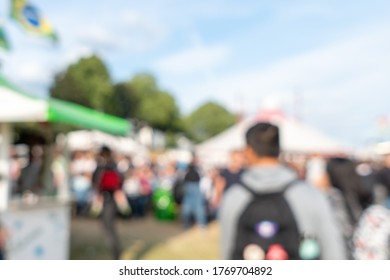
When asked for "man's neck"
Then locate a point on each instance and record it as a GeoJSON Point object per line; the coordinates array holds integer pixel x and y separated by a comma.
{"type": "Point", "coordinates": [265, 161]}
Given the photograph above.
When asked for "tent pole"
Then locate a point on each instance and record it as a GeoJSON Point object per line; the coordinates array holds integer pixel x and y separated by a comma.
{"type": "Point", "coordinates": [5, 165]}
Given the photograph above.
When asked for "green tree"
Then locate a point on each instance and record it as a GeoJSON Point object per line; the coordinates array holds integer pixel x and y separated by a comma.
{"type": "Point", "coordinates": [155, 106]}
{"type": "Point", "coordinates": [86, 82]}
{"type": "Point", "coordinates": [160, 110]}
{"type": "Point", "coordinates": [144, 84]}
{"type": "Point", "coordinates": [208, 120]}
{"type": "Point", "coordinates": [124, 102]}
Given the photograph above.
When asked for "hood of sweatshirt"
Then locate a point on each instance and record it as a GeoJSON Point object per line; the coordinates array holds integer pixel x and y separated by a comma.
{"type": "Point", "coordinates": [268, 179]}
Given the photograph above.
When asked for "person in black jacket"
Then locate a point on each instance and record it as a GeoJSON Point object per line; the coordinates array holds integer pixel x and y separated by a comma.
{"type": "Point", "coordinates": [193, 201]}
{"type": "Point", "coordinates": [383, 178]}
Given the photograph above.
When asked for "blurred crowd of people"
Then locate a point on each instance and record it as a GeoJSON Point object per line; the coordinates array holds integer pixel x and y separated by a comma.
{"type": "Point", "coordinates": [358, 191]}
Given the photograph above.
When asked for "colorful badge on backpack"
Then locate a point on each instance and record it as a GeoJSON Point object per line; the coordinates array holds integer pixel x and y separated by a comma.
{"type": "Point", "coordinates": [276, 252]}
{"type": "Point", "coordinates": [309, 249]}
{"type": "Point", "coordinates": [253, 252]}
{"type": "Point", "coordinates": [267, 229]}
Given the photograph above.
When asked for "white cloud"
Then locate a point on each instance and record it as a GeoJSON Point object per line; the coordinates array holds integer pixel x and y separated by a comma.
{"type": "Point", "coordinates": [132, 18]}
{"type": "Point", "coordinates": [333, 69]}
{"type": "Point", "coordinates": [180, 13]}
{"type": "Point", "coordinates": [73, 54]}
{"type": "Point", "coordinates": [34, 71]}
{"type": "Point", "coordinates": [138, 32]}
{"type": "Point", "coordinates": [98, 36]}
{"type": "Point", "coordinates": [295, 11]}
{"type": "Point", "coordinates": [193, 60]}
{"type": "Point", "coordinates": [341, 80]}
{"type": "Point", "coordinates": [130, 31]}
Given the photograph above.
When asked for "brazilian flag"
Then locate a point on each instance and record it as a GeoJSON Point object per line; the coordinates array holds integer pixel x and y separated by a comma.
{"type": "Point", "coordinates": [29, 17]}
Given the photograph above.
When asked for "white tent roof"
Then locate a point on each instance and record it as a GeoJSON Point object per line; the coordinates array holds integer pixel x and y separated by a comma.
{"type": "Point", "coordinates": [300, 138]}
{"type": "Point", "coordinates": [86, 140]}
{"type": "Point", "coordinates": [17, 107]}
{"type": "Point", "coordinates": [295, 137]}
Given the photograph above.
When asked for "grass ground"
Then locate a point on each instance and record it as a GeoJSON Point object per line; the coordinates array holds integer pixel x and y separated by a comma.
{"type": "Point", "coordinates": [143, 239]}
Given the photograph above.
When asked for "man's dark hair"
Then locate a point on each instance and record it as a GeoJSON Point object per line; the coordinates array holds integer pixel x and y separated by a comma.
{"type": "Point", "coordinates": [105, 151]}
{"type": "Point", "coordinates": [263, 138]}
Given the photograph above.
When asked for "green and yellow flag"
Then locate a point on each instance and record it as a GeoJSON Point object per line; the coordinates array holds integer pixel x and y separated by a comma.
{"type": "Point", "coordinates": [31, 20]}
{"type": "Point", "coordinates": [3, 39]}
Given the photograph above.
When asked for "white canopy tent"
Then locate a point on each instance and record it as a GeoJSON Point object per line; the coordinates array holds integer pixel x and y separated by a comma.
{"type": "Point", "coordinates": [16, 107]}
{"type": "Point", "coordinates": [93, 140]}
{"type": "Point", "coordinates": [295, 137]}
{"type": "Point", "coordinates": [19, 106]}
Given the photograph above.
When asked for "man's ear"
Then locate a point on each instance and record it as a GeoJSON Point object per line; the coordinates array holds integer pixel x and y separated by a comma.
{"type": "Point", "coordinates": [249, 154]}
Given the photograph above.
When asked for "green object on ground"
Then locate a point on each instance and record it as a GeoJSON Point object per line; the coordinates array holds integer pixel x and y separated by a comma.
{"type": "Point", "coordinates": [164, 204]}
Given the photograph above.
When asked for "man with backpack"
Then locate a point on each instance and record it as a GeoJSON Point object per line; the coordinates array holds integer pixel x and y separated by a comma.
{"type": "Point", "coordinates": [272, 215]}
{"type": "Point", "coordinates": [107, 181]}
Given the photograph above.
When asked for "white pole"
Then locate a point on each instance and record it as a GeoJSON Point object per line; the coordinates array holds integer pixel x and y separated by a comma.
{"type": "Point", "coordinates": [5, 165]}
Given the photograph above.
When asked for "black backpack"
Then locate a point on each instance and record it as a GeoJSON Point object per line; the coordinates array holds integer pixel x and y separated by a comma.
{"type": "Point", "coordinates": [178, 188]}
{"type": "Point", "coordinates": [191, 174]}
{"type": "Point", "coordinates": [267, 229]}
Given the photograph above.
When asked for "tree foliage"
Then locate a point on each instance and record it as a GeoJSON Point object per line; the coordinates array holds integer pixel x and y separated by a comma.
{"type": "Point", "coordinates": [208, 120]}
{"type": "Point", "coordinates": [154, 106]}
{"type": "Point", "coordinates": [124, 102]}
{"type": "Point", "coordinates": [86, 82]}
{"type": "Point", "coordinates": [160, 110]}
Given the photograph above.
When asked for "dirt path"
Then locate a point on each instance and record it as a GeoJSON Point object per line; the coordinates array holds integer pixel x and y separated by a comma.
{"type": "Point", "coordinates": [88, 241]}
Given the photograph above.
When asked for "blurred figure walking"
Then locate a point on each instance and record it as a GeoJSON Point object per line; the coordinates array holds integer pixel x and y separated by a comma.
{"type": "Point", "coordinates": [372, 234]}
{"type": "Point", "coordinates": [3, 239]}
{"type": "Point", "coordinates": [107, 180]}
{"type": "Point", "coordinates": [193, 200]}
{"type": "Point", "coordinates": [384, 178]}
{"type": "Point", "coordinates": [318, 176]}
{"type": "Point", "coordinates": [343, 176]}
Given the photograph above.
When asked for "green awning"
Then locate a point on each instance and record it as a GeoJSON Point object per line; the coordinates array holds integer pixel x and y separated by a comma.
{"type": "Point", "coordinates": [18, 106]}
{"type": "Point", "coordinates": [71, 113]}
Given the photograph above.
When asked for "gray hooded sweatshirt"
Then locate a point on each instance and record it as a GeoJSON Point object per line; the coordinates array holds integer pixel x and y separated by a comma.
{"type": "Point", "coordinates": [310, 208]}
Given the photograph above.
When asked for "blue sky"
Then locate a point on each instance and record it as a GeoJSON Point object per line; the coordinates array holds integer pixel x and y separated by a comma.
{"type": "Point", "coordinates": [333, 55]}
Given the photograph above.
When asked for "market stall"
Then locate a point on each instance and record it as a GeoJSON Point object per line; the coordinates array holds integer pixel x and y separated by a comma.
{"type": "Point", "coordinates": [39, 226]}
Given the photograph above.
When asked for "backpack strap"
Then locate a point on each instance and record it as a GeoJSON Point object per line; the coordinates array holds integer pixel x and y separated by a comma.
{"type": "Point", "coordinates": [284, 188]}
